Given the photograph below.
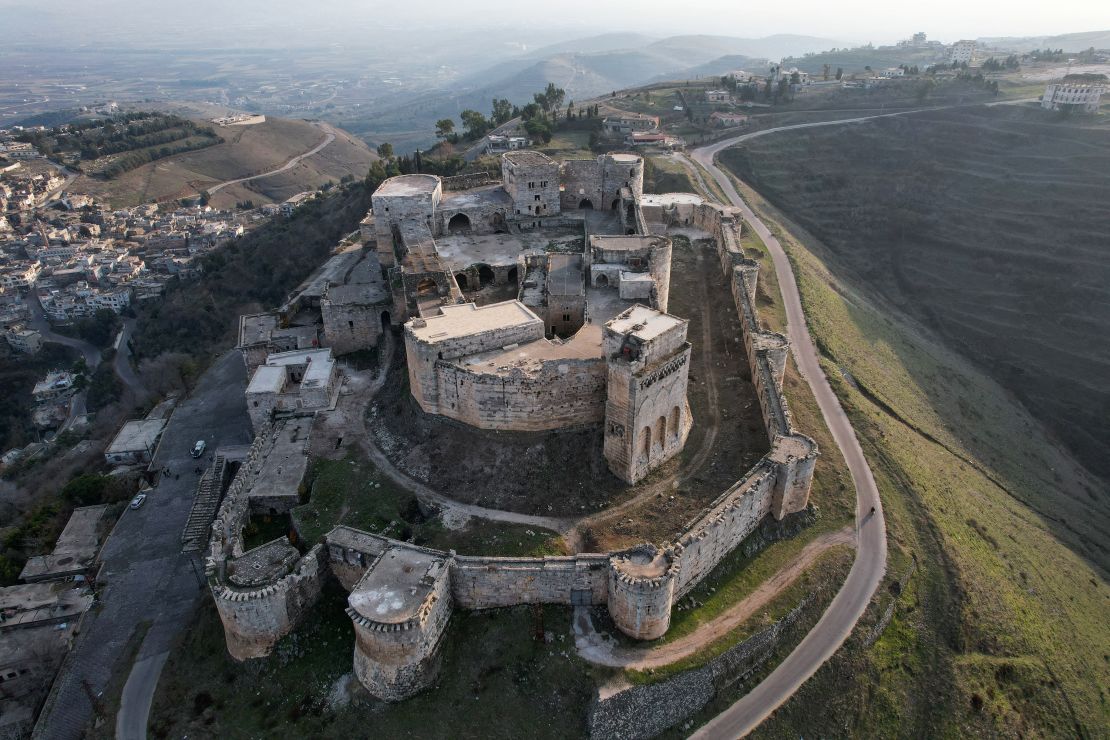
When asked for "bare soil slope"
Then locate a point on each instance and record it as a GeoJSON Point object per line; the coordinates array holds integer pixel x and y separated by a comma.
{"type": "Point", "coordinates": [245, 151]}
{"type": "Point", "coordinates": [988, 224]}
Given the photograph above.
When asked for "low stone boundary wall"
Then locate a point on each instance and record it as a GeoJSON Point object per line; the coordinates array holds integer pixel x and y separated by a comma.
{"type": "Point", "coordinates": [646, 711]}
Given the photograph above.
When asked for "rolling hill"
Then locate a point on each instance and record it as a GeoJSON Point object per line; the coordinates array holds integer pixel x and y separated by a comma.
{"type": "Point", "coordinates": [989, 225]}
{"type": "Point", "coordinates": [584, 68]}
{"type": "Point", "coordinates": [244, 151]}
{"type": "Point", "coordinates": [1066, 41]}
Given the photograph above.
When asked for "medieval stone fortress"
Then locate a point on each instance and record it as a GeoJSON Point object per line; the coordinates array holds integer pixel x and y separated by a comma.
{"type": "Point", "coordinates": [533, 302]}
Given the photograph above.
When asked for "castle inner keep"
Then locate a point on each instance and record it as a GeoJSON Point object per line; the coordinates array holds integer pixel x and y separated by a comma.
{"type": "Point", "coordinates": [584, 338]}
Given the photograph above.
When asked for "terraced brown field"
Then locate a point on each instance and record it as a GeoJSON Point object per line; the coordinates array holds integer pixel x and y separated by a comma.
{"type": "Point", "coordinates": [991, 225]}
{"type": "Point", "coordinates": [244, 151]}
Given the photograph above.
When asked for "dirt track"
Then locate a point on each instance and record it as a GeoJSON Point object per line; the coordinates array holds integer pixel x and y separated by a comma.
{"type": "Point", "coordinates": [600, 649]}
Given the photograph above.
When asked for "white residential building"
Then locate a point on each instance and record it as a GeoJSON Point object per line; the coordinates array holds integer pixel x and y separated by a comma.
{"type": "Point", "coordinates": [1083, 96]}
{"type": "Point", "coordinates": [962, 52]}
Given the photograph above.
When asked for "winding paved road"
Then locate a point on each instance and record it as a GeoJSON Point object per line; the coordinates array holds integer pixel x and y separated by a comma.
{"type": "Point", "coordinates": [870, 564]}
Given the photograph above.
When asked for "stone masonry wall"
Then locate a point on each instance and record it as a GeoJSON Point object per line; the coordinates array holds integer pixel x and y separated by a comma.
{"type": "Point", "coordinates": [349, 327]}
{"type": "Point", "coordinates": [647, 711]}
{"type": "Point", "coordinates": [486, 582]}
{"type": "Point", "coordinates": [422, 357]}
{"type": "Point", "coordinates": [560, 393]}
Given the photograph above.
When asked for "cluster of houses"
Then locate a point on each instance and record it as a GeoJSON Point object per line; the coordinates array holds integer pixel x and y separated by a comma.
{"type": "Point", "coordinates": [77, 256]}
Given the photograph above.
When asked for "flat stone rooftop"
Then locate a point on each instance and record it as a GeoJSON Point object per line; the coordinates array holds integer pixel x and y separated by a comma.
{"type": "Point", "coordinates": [359, 294]}
{"type": "Point", "coordinates": [318, 364]}
{"type": "Point", "coordinates": [335, 270]}
{"type": "Point", "coordinates": [644, 323]}
{"type": "Point", "coordinates": [408, 185]}
{"type": "Point", "coordinates": [264, 564]}
{"type": "Point", "coordinates": [485, 195]}
{"type": "Point", "coordinates": [530, 356]}
{"type": "Point", "coordinates": [625, 243]}
{"type": "Point", "coordinates": [137, 435]}
{"type": "Point", "coordinates": [644, 562]}
{"type": "Point", "coordinates": [35, 604]}
{"type": "Point", "coordinates": [75, 549]}
{"type": "Point", "coordinates": [466, 319]}
{"type": "Point", "coordinates": [565, 275]}
{"type": "Point", "coordinates": [528, 157]}
{"type": "Point", "coordinates": [396, 586]}
{"type": "Point", "coordinates": [267, 379]}
{"type": "Point", "coordinates": [671, 199]}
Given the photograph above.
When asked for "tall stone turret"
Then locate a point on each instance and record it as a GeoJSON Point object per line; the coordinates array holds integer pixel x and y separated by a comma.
{"type": "Point", "coordinates": [647, 417]}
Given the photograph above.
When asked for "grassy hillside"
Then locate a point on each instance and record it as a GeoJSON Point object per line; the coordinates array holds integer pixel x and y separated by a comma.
{"type": "Point", "coordinates": [243, 151]}
{"type": "Point", "coordinates": [988, 225]}
{"type": "Point", "coordinates": [1001, 630]}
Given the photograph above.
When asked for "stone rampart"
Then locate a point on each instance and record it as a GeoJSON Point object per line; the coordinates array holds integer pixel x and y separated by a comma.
{"type": "Point", "coordinates": [723, 526]}
{"type": "Point", "coordinates": [487, 582]}
{"type": "Point", "coordinates": [553, 394]}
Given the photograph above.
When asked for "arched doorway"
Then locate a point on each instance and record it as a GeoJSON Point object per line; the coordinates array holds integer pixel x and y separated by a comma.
{"type": "Point", "coordinates": [585, 205]}
{"type": "Point", "coordinates": [427, 286]}
{"type": "Point", "coordinates": [511, 276]}
{"type": "Point", "coordinates": [459, 224]}
{"type": "Point", "coordinates": [387, 320]}
{"type": "Point", "coordinates": [602, 281]}
{"type": "Point", "coordinates": [647, 443]}
{"type": "Point", "coordinates": [616, 204]}
{"type": "Point", "coordinates": [485, 275]}
{"type": "Point", "coordinates": [497, 223]}
{"type": "Point", "coordinates": [462, 282]}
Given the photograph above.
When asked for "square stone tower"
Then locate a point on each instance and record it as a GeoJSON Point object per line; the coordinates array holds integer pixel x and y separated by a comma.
{"type": "Point", "coordinates": [647, 418]}
{"type": "Point", "coordinates": [532, 180]}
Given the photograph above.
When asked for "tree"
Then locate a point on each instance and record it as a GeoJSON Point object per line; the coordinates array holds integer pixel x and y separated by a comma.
{"type": "Point", "coordinates": [385, 150]}
{"type": "Point", "coordinates": [474, 123]}
{"type": "Point", "coordinates": [502, 111]}
{"type": "Point", "coordinates": [444, 128]}
{"type": "Point", "coordinates": [839, 72]}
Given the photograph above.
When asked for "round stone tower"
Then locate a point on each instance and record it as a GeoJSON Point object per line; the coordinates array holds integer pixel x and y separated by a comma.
{"type": "Point", "coordinates": [641, 590]}
{"type": "Point", "coordinates": [400, 610]}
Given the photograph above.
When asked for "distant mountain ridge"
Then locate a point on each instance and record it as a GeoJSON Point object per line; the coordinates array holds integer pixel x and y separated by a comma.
{"type": "Point", "coordinates": [591, 66]}
{"type": "Point", "coordinates": [1067, 41]}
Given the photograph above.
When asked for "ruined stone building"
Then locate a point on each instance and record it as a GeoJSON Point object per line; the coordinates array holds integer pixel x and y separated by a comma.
{"type": "Point", "coordinates": [291, 384]}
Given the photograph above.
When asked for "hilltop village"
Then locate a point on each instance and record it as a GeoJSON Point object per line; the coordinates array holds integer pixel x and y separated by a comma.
{"type": "Point", "coordinates": [534, 300]}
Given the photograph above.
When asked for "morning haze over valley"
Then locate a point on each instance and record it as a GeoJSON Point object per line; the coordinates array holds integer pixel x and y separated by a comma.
{"type": "Point", "coordinates": [572, 371]}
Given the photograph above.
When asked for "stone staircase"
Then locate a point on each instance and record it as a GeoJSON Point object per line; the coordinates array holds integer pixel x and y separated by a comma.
{"type": "Point", "coordinates": [209, 493]}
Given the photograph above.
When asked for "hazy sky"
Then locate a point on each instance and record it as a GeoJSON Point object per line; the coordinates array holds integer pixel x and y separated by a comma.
{"type": "Point", "coordinates": [844, 20]}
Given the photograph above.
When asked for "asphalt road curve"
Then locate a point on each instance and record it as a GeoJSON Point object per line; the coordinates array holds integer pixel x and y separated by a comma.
{"type": "Point", "coordinates": [870, 564]}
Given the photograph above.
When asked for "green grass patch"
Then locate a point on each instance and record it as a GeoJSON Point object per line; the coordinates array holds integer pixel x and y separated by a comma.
{"type": "Point", "coordinates": [819, 584]}
{"type": "Point", "coordinates": [353, 492]}
{"type": "Point", "coordinates": [494, 676]}
{"type": "Point", "coordinates": [966, 477]}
